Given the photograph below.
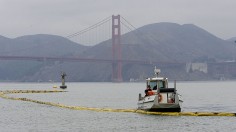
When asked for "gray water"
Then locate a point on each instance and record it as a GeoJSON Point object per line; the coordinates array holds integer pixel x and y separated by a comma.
{"type": "Point", "coordinates": [198, 96]}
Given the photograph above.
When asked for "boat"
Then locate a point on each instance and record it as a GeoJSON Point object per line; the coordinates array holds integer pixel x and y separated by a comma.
{"type": "Point", "coordinates": [158, 96]}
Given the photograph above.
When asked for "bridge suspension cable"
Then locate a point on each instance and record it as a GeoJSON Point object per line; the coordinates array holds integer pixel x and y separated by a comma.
{"type": "Point", "coordinates": [93, 34]}
{"type": "Point", "coordinates": [129, 24]}
{"type": "Point", "coordinates": [101, 31]}
{"type": "Point", "coordinates": [137, 33]}
{"type": "Point", "coordinates": [89, 28]}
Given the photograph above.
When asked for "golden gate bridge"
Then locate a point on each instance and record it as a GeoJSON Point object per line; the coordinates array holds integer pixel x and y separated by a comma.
{"type": "Point", "coordinates": [117, 26]}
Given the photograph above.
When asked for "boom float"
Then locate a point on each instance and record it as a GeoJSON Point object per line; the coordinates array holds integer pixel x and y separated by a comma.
{"type": "Point", "coordinates": [3, 95]}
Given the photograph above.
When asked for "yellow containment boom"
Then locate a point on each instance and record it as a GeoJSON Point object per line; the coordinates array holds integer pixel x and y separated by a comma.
{"type": "Point", "coordinates": [3, 95]}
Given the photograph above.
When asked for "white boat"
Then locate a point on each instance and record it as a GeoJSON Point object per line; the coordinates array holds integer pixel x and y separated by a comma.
{"type": "Point", "coordinates": [159, 98]}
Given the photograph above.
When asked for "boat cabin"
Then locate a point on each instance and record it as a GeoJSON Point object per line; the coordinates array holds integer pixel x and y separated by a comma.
{"type": "Point", "coordinates": [157, 83]}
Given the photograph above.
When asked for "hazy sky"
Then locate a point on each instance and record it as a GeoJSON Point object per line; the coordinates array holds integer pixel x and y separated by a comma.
{"type": "Point", "coordinates": [64, 17]}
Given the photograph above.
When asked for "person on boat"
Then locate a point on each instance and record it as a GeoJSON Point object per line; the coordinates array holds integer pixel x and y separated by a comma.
{"type": "Point", "coordinates": [155, 87]}
{"type": "Point", "coordinates": [148, 90]}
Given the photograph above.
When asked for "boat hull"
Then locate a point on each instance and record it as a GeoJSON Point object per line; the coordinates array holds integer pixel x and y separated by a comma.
{"type": "Point", "coordinates": [151, 103]}
{"type": "Point", "coordinates": [160, 108]}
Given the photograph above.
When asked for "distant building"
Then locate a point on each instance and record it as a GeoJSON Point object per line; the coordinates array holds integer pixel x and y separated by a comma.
{"type": "Point", "coordinates": [191, 67]}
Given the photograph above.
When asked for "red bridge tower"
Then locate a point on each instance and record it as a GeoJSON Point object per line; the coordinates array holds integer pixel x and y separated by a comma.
{"type": "Point", "coordinates": [116, 50]}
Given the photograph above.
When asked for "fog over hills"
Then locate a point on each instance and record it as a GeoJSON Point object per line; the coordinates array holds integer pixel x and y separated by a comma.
{"type": "Point", "coordinates": [160, 42]}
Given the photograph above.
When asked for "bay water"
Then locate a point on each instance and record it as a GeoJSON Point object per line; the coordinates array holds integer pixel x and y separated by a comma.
{"type": "Point", "coordinates": [197, 96]}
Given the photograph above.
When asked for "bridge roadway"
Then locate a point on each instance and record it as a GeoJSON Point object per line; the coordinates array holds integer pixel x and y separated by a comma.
{"type": "Point", "coordinates": [78, 59]}
{"type": "Point", "coordinates": [214, 68]}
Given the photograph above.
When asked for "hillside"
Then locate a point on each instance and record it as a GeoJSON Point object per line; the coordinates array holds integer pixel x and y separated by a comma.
{"type": "Point", "coordinates": [183, 43]}
{"type": "Point", "coordinates": [161, 42]}
{"type": "Point", "coordinates": [33, 45]}
{"type": "Point", "coordinates": [39, 45]}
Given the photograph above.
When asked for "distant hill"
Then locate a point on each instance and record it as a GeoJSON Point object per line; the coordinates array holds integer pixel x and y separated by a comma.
{"type": "Point", "coordinates": [185, 42]}
{"type": "Point", "coordinates": [33, 45]}
{"type": "Point", "coordinates": [161, 42]}
{"type": "Point", "coordinates": [39, 45]}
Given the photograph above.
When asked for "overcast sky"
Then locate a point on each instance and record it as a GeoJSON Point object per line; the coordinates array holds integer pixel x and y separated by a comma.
{"type": "Point", "coordinates": [64, 17]}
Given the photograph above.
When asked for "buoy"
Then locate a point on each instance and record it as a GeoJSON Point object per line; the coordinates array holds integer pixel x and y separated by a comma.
{"type": "Point", "coordinates": [63, 86]}
{"type": "Point", "coordinates": [54, 86]}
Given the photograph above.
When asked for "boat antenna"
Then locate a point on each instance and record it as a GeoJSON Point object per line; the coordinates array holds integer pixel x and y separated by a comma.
{"type": "Point", "coordinates": [157, 71]}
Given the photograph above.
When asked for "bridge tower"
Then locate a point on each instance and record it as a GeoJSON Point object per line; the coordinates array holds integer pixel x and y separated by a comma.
{"type": "Point", "coordinates": [116, 50]}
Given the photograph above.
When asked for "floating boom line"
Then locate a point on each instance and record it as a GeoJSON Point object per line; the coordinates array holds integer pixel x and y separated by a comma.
{"type": "Point", "coordinates": [3, 95]}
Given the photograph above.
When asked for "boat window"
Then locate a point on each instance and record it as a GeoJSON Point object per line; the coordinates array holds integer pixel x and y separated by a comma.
{"type": "Point", "coordinates": [153, 85]}
{"type": "Point", "coordinates": [161, 84]}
